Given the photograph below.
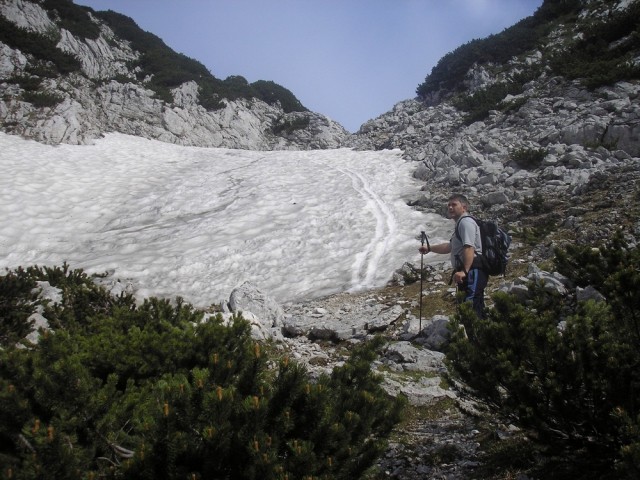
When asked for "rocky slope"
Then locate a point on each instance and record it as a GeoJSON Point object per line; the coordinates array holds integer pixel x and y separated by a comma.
{"type": "Point", "coordinates": [580, 132]}
{"type": "Point", "coordinates": [104, 95]}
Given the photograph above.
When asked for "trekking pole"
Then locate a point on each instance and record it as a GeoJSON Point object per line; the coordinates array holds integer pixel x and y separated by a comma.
{"type": "Point", "coordinates": [423, 238]}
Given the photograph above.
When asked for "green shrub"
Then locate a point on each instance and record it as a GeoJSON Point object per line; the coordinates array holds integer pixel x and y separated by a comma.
{"type": "Point", "coordinates": [513, 105]}
{"type": "Point", "coordinates": [577, 383]}
{"type": "Point", "coordinates": [272, 93]}
{"type": "Point", "coordinates": [236, 86]}
{"type": "Point", "coordinates": [606, 52]}
{"type": "Point", "coordinates": [41, 69]}
{"type": "Point", "coordinates": [529, 158]}
{"type": "Point", "coordinates": [40, 46]}
{"type": "Point", "coordinates": [533, 205]}
{"type": "Point", "coordinates": [122, 390]}
{"type": "Point", "coordinates": [73, 17]}
{"type": "Point", "coordinates": [481, 102]}
{"type": "Point", "coordinates": [595, 67]}
{"type": "Point", "coordinates": [16, 305]}
{"type": "Point", "coordinates": [290, 125]}
{"type": "Point", "coordinates": [611, 144]}
{"type": "Point", "coordinates": [27, 82]}
{"type": "Point", "coordinates": [539, 231]}
{"type": "Point", "coordinates": [42, 99]}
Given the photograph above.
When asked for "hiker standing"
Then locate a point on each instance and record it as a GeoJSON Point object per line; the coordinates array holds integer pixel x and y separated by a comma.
{"type": "Point", "coordinates": [465, 248]}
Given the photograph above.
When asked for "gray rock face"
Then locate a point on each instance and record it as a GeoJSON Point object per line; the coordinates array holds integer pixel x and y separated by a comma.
{"type": "Point", "coordinates": [27, 15]}
{"type": "Point", "coordinates": [579, 132]}
{"type": "Point", "coordinates": [403, 356]}
{"type": "Point", "coordinates": [414, 359]}
{"type": "Point", "coordinates": [582, 133]}
{"type": "Point", "coordinates": [262, 312]}
{"type": "Point", "coordinates": [93, 102]}
{"type": "Point", "coordinates": [436, 334]}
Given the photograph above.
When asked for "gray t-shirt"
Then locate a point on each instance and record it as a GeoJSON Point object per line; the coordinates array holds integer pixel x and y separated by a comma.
{"type": "Point", "coordinates": [469, 232]}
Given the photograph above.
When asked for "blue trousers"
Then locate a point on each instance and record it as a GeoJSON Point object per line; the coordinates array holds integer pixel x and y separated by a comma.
{"type": "Point", "coordinates": [473, 289]}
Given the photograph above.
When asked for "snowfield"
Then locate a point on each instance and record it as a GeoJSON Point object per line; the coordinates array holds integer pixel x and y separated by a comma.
{"type": "Point", "coordinates": [197, 222]}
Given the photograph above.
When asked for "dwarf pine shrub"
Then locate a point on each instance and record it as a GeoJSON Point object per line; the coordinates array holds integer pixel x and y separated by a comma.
{"type": "Point", "coordinates": [289, 126]}
{"type": "Point", "coordinates": [605, 51]}
{"type": "Point", "coordinates": [42, 47]}
{"type": "Point", "coordinates": [41, 99]}
{"type": "Point", "coordinates": [566, 370]}
{"type": "Point", "coordinates": [121, 390]}
{"type": "Point", "coordinates": [479, 104]}
{"type": "Point", "coordinates": [529, 158]}
{"type": "Point", "coordinates": [72, 17]}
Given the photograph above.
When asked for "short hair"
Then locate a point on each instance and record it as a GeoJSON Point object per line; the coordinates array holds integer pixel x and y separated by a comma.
{"type": "Point", "coordinates": [460, 198]}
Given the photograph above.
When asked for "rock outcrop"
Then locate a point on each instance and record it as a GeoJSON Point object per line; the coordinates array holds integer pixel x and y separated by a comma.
{"type": "Point", "coordinates": [105, 96]}
{"type": "Point", "coordinates": [580, 132]}
{"type": "Point", "coordinates": [553, 139]}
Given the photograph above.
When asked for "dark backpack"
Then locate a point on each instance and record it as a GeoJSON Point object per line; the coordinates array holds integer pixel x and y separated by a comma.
{"type": "Point", "coordinates": [495, 245]}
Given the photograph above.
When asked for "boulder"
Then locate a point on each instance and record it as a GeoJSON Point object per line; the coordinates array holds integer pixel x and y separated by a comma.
{"type": "Point", "coordinates": [589, 293]}
{"type": "Point", "coordinates": [413, 358]}
{"type": "Point", "coordinates": [436, 334]}
{"type": "Point", "coordinates": [263, 312]}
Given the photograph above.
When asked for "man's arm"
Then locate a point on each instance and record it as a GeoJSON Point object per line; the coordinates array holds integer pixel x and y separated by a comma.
{"type": "Point", "coordinates": [468, 254]}
{"type": "Point", "coordinates": [439, 248]}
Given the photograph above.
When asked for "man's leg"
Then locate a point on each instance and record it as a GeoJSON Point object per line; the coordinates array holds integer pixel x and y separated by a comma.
{"type": "Point", "coordinates": [476, 283]}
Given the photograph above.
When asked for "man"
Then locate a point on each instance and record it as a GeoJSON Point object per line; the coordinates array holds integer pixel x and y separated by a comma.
{"type": "Point", "coordinates": [465, 248]}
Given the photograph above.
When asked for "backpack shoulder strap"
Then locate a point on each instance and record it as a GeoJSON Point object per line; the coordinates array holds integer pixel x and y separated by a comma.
{"type": "Point", "coordinates": [457, 233]}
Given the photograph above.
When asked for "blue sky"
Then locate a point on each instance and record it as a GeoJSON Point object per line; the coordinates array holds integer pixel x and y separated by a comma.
{"type": "Point", "coordinates": [351, 60]}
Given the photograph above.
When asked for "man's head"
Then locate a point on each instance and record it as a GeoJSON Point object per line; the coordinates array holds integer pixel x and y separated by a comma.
{"type": "Point", "coordinates": [458, 205]}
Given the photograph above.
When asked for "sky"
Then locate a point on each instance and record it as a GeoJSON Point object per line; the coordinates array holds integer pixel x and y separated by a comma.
{"type": "Point", "coordinates": [351, 60]}
{"type": "Point", "coordinates": [199, 222]}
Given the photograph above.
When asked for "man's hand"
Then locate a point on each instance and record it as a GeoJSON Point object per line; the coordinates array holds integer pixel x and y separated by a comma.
{"type": "Point", "coordinates": [423, 249]}
{"type": "Point", "coordinates": [459, 277]}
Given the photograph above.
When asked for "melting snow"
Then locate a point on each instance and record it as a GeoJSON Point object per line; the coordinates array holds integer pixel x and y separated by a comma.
{"type": "Point", "coordinates": [197, 222]}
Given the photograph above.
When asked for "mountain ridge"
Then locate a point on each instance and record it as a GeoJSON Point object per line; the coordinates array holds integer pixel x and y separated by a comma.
{"type": "Point", "coordinates": [68, 77]}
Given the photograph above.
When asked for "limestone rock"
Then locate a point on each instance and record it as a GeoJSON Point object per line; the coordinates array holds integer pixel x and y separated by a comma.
{"type": "Point", "coordinates": [248, 298]}
{"type": "Point", "coordinates": [106, 96]}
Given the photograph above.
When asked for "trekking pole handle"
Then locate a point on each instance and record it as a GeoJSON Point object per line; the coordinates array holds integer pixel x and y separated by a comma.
{"type": "Point", "coordinates": [424, 238]}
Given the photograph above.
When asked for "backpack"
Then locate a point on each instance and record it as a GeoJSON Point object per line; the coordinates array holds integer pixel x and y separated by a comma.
{"type": "Point", "coordinates": [495, 245]}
